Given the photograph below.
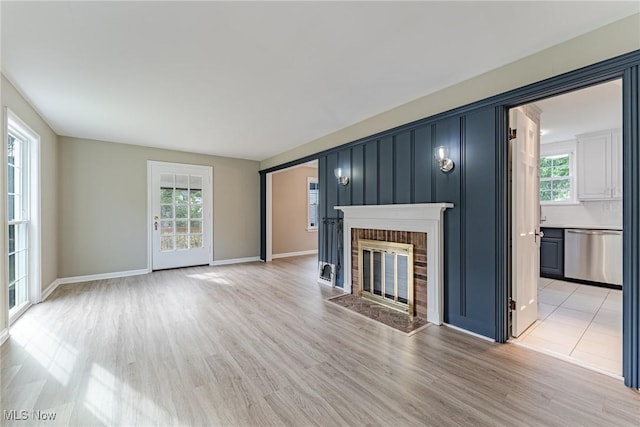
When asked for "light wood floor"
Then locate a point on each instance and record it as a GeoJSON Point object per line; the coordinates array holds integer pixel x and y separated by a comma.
{"type": "Point", "coordinates": [257, 344]}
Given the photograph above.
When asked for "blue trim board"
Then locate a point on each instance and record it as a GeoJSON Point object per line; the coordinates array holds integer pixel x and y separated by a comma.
{"type": "Point", "coordinates": [476, 237]}
{"type": "Point", "coordinates": [263, 217]}
{"type": "Point", "coordinates": [631, 228]}
{"type": "Point", "coordinates": [502, 224]}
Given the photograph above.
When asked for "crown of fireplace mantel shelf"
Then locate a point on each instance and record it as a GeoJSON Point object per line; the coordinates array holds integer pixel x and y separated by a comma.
{"type": "Point", "coordinates": [406, 211]}
{"type": "Point", "coordinates": [419, 217]}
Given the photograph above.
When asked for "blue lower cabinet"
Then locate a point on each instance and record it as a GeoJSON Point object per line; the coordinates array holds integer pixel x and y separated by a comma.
{"type": "Point", "coordinates": [552, 253]}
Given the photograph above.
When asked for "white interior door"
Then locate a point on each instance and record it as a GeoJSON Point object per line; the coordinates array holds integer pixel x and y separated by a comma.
{"type": "Point", "coordinates": [526, 225]}
{"type": "Point", "coordinates": [180, 223]}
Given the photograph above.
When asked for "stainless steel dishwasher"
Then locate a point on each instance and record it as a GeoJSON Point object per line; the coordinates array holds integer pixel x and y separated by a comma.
{"type": "Point", "coordinates": [594, 255]}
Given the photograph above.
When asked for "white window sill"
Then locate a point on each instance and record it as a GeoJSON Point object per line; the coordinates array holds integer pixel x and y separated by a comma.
{"type": "Point", "coordinates": [310, 230]}
{"type": "Point", "coordinates": [571, 203]}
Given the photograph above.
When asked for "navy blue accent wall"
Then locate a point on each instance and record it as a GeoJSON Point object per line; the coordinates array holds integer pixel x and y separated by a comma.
{"type": "Point", "coordinates": [386, 151]}
{"type": "Point", "coordinates": [401, 168]}
{"type": "Point", "coordinates": [423, 177]}
{"type": "Point", "coordinates": [370, 173]}
{"type": "Point", "coordinates": [478, 229]}
{"type": "Point", "coordinates": [357, 175]}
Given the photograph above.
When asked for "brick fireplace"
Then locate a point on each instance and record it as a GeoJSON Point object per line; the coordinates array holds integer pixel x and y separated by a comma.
{"type": "Point", "coordinates": [417, 240]}
{"type": "Point", "coordinates": [401, 222]}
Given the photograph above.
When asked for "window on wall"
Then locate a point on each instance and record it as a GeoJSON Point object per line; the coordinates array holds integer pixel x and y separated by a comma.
{"type": "Point", "coordinates": [312, 203]}
{"type": "Point", "coordinates": [18, 218]}
{"type": "Point", "coordinates": [556, 178]}
{"type": "Point", "coordinates": [23, 244]}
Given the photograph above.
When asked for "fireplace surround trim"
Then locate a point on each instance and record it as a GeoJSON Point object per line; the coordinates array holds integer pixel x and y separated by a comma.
{"type": "Point", "coordinates": [419, 217]}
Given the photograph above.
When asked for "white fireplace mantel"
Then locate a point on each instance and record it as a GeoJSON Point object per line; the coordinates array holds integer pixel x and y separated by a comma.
{"type": "Point", "coordinates": [419, 217]}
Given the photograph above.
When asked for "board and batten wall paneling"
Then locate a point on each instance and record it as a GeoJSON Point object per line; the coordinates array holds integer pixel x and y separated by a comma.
{"type": "Point", "coordinates": [344, 191]}
{"type": "Point", "coordinates": [333, 194]}
{"type": "Point", "coordinates": [371, 173]}
{"type": "Point", "coordinates": [357, 175]}
{"type": "Point", "coordinates": [329, 188]}
{"type": "Point", "coordinates": [344, 198]}
{"type": "Point", "coordinates": [447, 189]}
{"type": "Point", "coordinates": [385, 170]}
{"type": "Point", "coordinates": [332, 185]}
{"type": "Point", "coordinates": [422, 160]}
{"type": "Point", "coordinates": [479, 211]}
{"type": "Point", "coordinates": [401, 168]}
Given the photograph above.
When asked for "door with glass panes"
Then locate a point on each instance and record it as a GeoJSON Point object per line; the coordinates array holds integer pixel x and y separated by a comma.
{"type": "Point", "coordinates": [181, 215]}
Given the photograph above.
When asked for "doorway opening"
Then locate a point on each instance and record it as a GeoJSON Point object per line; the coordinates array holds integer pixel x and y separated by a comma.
{"type": "Point", "coordinates": [566, 233]}
{"type": "Point", "coordinates": [292, 211]}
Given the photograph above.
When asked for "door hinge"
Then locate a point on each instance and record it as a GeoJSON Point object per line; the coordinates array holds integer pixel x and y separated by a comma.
{"type": "Point", "coordinates": [512, 134]}
{"type": "Point", "coordinates": [512, 305]}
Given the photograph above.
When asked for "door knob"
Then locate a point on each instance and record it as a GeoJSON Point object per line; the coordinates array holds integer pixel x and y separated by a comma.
{"type": "Point", "coordinates": [538, 234]}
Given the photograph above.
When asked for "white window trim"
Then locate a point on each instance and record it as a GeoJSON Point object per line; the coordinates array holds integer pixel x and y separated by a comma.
{"type": "Point", "coordinates": [558, 149]}
{"type": "Point", "coordinates": [14, 124]}
{"type": "Point", "coordinates": [310, 180]}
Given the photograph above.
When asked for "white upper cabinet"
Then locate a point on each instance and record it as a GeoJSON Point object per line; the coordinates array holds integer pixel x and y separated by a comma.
{"type": "Point", "coordinates": [600, 166]}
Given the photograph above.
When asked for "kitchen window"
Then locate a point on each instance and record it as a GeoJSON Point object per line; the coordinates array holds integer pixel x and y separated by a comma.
{"type": "Point", "coordinates": [557, 178]}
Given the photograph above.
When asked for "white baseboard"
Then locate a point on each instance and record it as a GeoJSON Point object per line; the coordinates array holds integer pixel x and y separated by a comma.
{"type": "Point", "coordinates": [4, 335]}
{"type": "Point", "coordinates": [102, 276]}
{"type": "Point", "coordinates": [52, 287]}
{"type": "Point", "coordinates": [236, 260]}
{"type": "Point", "coordinates": [289, 254]}
{"type": "Point", "coordinates": [469, 332]}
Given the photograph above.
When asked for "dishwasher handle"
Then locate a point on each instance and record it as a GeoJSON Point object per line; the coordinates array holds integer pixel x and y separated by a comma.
{"type": "Point", "coordinates": [596, 232]}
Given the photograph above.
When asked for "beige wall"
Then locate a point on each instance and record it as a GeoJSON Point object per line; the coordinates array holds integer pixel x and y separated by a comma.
{"type": "Point", "coordinates": [12, 99]}
{"type": "Point", "coordinates": [612, 40]}
{"type": "Point", "coordinates": [289, 211]}
{"type": "Point", "coordinates": [103, 205]}
{"type": "Point", "coordinates": [49, 170]}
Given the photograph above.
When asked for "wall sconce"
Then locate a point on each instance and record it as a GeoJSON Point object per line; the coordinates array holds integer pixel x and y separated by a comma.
{"type": "Point", "coordinates": [342, 179]}
{"type": "Point", "coordinates": [442, 155]}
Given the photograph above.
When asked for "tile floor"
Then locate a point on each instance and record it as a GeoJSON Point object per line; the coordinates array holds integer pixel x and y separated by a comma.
{"type": "Point", "coordinates": [578, 321]}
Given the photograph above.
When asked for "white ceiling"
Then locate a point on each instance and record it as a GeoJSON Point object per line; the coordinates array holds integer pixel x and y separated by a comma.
{"type": "Point", "coordinates": [253, 79]}
{"type": "Point", "coordinates": [588, 110]}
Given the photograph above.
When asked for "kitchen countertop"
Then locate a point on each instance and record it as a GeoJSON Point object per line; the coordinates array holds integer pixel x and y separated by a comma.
{"type": "Point", "coordinates": [589, 227]}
